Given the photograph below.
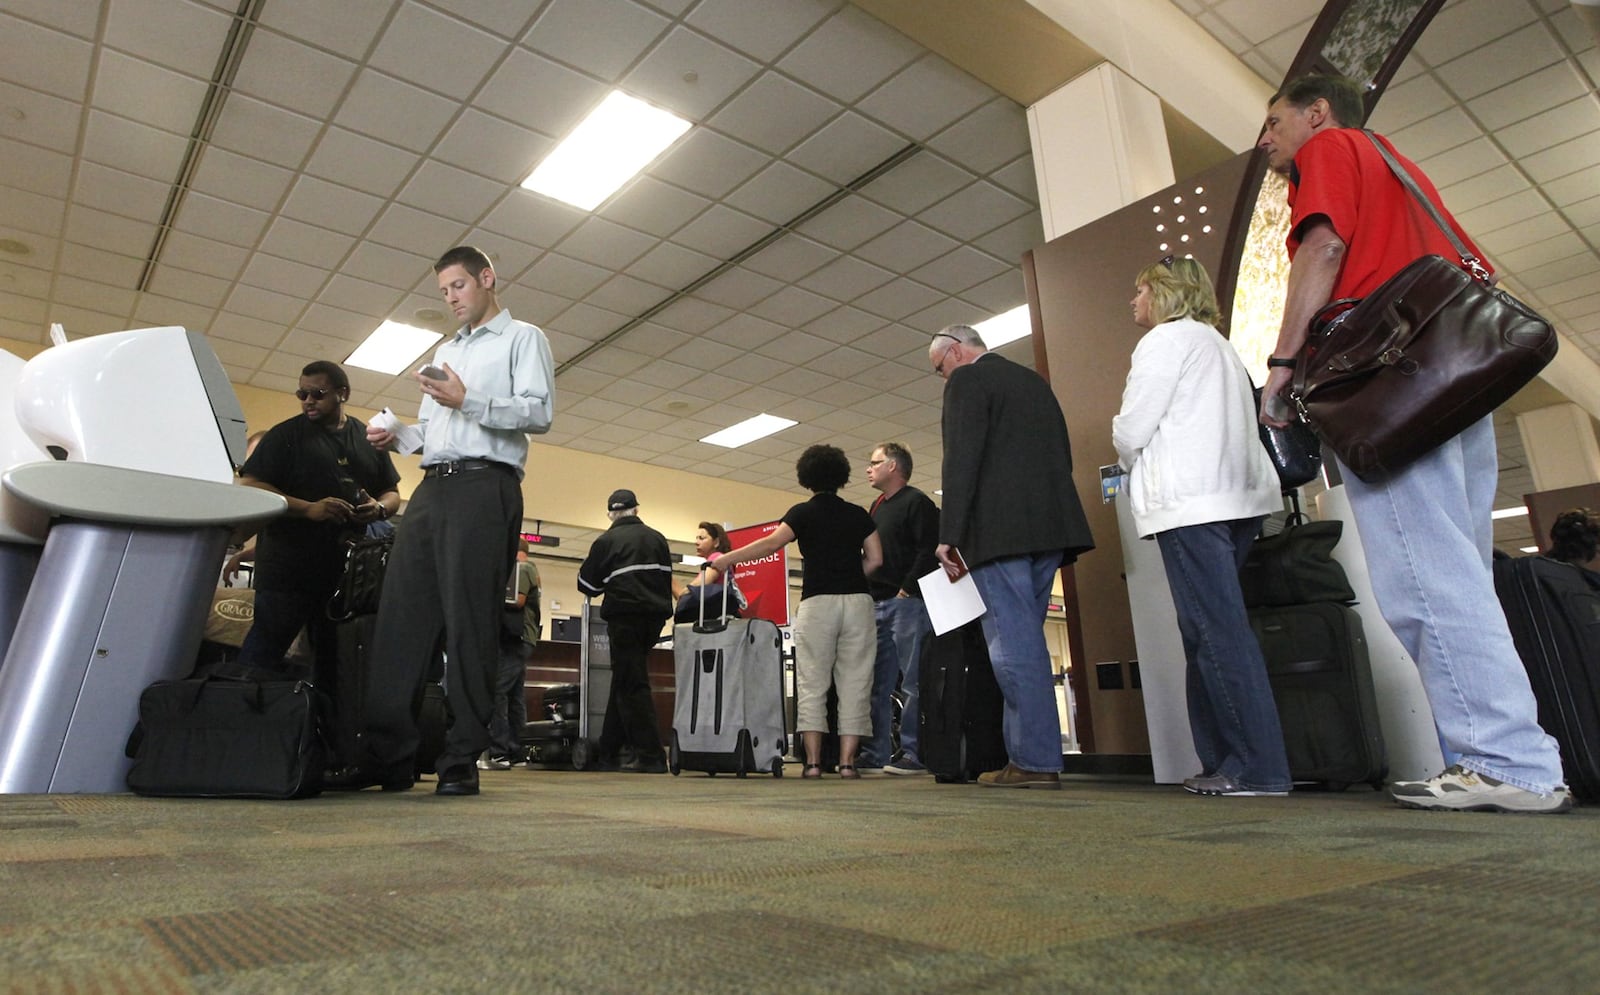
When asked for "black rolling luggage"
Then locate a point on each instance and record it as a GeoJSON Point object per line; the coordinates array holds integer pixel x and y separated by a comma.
{"type": "Point", "coordinates": [1322, 682]}
{"type": "Point", "coordinates": [549, 740]}
{"type": "Point", "coordinates": [960, 732]}
{"type": "Point", "coordinates": [1553, 610]}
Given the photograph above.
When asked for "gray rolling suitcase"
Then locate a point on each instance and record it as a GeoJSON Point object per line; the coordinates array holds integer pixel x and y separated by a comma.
{"type": "Point", "coordinates": [728, 713]}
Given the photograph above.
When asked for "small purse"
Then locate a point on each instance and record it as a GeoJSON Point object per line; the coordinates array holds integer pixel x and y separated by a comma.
{"type": "Point", "coordinates": [1388, 378]}
{"type": "Point", "coordinates": [362, 582]}
{"type": "Point", "coordinates": [1295, 450]}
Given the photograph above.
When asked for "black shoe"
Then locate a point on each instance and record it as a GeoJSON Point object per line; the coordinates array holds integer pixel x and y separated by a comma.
{"type": "Point", "coordinates": [655, 765]}
{"type": "Point", "coordinates": [358, 778]}
{"type": "Point", "coordinates": [458, 779]}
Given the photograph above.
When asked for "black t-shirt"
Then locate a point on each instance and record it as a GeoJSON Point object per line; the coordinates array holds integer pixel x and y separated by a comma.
{"type": "Point", "coordinates": [830, 531]}
{"type": "Point", "coordinates": [307, 461]}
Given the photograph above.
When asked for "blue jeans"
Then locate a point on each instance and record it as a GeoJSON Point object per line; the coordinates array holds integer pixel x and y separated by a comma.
{"type": "Point", "coordinates": [1232, 716]}
{"type": "Point", "coordinates": [1016, 594]}
{"type": "Point", "coordinates": [1429, 544]}
{"type": "Point", "coordinates": [902, 622]}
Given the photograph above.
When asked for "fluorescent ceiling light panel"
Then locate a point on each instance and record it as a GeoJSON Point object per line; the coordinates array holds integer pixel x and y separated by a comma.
{"type": "Point", "coordinates": [749, 430]}
{"type": "Point", "coordinates": [392, 347]}
{"type": "Point", "coordinates": [1008, 327]}
{"type": "Point", "coordinates": [1530, 549]}
{"type": "Point", "coordinates": [620, 137]}
{"type": "Point", "coordinates": [1508, 513]}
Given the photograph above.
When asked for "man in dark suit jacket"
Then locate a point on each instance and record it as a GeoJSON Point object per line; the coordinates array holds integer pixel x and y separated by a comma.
{"type": "Point", "coordinates": [1011, 511]}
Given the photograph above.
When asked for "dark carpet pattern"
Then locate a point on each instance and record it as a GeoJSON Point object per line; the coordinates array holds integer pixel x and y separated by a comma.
{"type": "Point", "coordinates": [565, 882]}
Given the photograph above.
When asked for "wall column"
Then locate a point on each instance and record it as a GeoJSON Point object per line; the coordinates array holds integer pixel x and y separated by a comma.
{"type": "Point", "coordinates": [1561, 446]}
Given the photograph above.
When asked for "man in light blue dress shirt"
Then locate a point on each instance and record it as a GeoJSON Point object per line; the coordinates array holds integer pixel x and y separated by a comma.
{"type": "Point", "coordinates": [493, 384]}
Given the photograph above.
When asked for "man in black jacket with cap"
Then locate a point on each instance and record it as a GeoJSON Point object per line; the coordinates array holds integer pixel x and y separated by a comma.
{"type": "Point", "coordinates": [631, 565]}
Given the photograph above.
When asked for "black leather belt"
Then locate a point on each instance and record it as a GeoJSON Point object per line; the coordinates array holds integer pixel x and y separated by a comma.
{"type": "Point", "coordinates": [454, 467]}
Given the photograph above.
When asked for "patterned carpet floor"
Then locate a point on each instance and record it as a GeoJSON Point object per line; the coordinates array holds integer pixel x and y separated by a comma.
{"type": "Point", "coordinates": [567, 882]}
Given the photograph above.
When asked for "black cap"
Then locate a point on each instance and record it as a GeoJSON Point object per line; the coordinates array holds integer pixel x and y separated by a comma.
{"type": "Point", "coordinates": [620, 500]}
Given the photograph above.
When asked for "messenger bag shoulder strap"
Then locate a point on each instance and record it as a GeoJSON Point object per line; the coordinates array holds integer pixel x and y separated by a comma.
{"type": "Point", "coordinates": [1469, 259]}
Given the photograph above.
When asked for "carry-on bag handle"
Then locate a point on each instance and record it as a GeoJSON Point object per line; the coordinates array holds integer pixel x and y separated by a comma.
{"type": "Point", "coordinates": [721, 622]}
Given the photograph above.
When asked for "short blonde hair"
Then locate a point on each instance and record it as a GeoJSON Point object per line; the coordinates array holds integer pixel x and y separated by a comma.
{"type": "Point", "coordinates": [1180, 288]}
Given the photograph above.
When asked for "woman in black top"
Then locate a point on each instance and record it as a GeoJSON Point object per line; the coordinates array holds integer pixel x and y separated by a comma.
{"type": "Point", "coordinates": [835, 637]}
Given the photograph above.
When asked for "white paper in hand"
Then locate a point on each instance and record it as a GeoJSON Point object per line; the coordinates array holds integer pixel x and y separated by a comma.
{"type": "Point", "coordinates": [407, 438]}
{"type": "Point", "coordinates": [951, 603]}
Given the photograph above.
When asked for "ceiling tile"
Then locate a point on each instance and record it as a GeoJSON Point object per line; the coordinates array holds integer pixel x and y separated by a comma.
{"type": "Point", "coordinates": [896, 342]}
{"type": "Point", "coordinates": [986, 139]}
{"type": "Point", "coordinates": [532, 218]}
{"type": "Point", "coordinates": [1515, 101]}
{"type": "Point", "coordinates": [714, 73]}
{"type": "Point", "coordinates": [762, 29]}
{"type": "Point", "coordinates": [1433, 135]}
{"type": "Point", "coordinates": [389, 267]}
{"type": "Point", "coordinates": [706, 354]}
{"type": "Point", "coordinates": [46, 121]}
{"type": "Point", "coordinates": [745, 331]}
{"type": "Point", "coordinates": [283, 275]}
{"type": "Point", "coordinates": [1010, 241]}
{"type": "Point", "coordinates": [565, 274]}
{"type": "Point", "coordinates": [116, 191]}
{"type": "Point", "coordinates": [533, 92]}
{"type": "Point", "coordinates": [849, 223]}
{"type": "Point", "coordinates": [506, 18]}
{"type": "Point", "coordinates": [132, 147]}
{"type": "Point", "coordinates": [998, 294]}
{"type": "Point", "coordinates": [979, 208]}
{"type": "Point", "coordinates": [416, 34]}
{"type": "Point", "coordinates": [500, 150]}
{"type": "Point", "coordinates": [36, 170]}
{"type": "Point", "coordinates": [1552, 127]}
{"type": "Point", "coordinates": [672, 266]}
{"type": "Point", "coordinates": [779, 193]}
{"type": "Point", "coordinates": [360, 162]}
{"type": "Point", "coordinates": [293, 239]}
{"type": "Point", "coordinates": [361, 295]}
{"type": "Point", "coordinates": [957, 270]}
{"type": "Point", "coordinates": [919, 182]}
{"type": "Point", "coordinates": [348, 27]}
{"type": "Point", "coordinates": [45, 59]}
{"type": "Point", "coordinates": [445, 190]}
{"type": "Point", "coordinates": [296, 77]}
{"type": "Point", "coordinates": [192, 288]}
{"type": "Point", "coordinates": [738, 288]}
{"type": "Point", "coordinates": [250, 182]}
{"type": "Point", "coordinates": [656, 340]}
{"type": "Point", "coordinates": [393, 111]}
{"type": "Point", "coordinates": [846, 148]}
{"type": "Point", "coordinates": [845, 324]}
{"type": "Point", "coordinates": [906, 246]}
{"type": "Point", "coordinates": [793, 307]}
{"type": "Point", "coordinates": [1529, 230]}
{"type": "Point", "coordinates": [649, 205]}
{"type": "Point", "coordinates": [774, 113]}
{"type": "Point", "coordinates": [332, 206]}
{"type": "Point", "coordinates": [1465, 26]}
{"type": "Point", "coordinates": [1019, 178]}
{"type": "Point", "coordinates": [117, 297]}
{"type": "Point", "coordinates": [849, 55]}
{"type": "Point", "coordinates": [127, 236]}
{"type": "Point", "coordinates": [337, 322]}
{"type": "Point", "coordinates": [925, 98]}
{"type": "Point", "coordinates": [1407, 103]}
{"type": "Point", "coordinates": [790, 258]}
{"type": "Point", "coordinates": [140, 91]}
{"type": "Point", "coordinates": [896, 300]}
{"type": "Point", "coordinates": [84, 321]}
{"type": "Point", "coordinates": [602, 37]}
{"type": "Point", "coordinates": [1503, 211]}
{"type": "Point", "coordinates": [172, 33]}
{"type": "Point", "coordinates": [689, 314]}
{"type": "Point", "coordinates": [605, 243]}
{"type": "Point", "coordinates": [1573, 187]}
{"type": "Point", "coordinates": [722, 232]}
{"type": "Point", "coordinates": [845, 279]}
{"type": "Point", "coordinates": [626, 295]}
{"type": "Point", "coordinates": [708, 163]}
{"type": "Point", "coordinates": [203, 255]}
{"type": "Point", "coordinates": [588, 322]}
{"type": "Point", "coordinates": [251, 127]}
{"type": "Point", "coordinates": [1455, 165]}
{"type": "Point", "coordinates": [77, 19]}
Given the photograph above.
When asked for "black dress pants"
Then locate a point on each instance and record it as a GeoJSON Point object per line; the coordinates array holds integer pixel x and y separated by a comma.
{"type": "Point", "coordinates": [630, 711]}
{"type": "Point", "coordinates": [447, 574]}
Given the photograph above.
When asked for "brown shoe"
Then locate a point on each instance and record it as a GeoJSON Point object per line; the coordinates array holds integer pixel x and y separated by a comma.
{"type": "Point", "coordinates": [1012, 776]}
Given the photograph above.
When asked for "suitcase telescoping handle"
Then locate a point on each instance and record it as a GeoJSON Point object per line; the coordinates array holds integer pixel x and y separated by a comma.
{"type": "Point", "coordinates": [719, 623]}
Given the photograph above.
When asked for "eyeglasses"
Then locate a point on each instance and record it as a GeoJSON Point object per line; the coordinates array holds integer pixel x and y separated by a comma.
{"type": "Point", "coordinates": [1167, 261]}
{"type": "Point", "coordinates": [876, 462]}
{"type": "Point", "coordinates": [939, 366]}
{"type": "Point", "coordinates": [315, 393]}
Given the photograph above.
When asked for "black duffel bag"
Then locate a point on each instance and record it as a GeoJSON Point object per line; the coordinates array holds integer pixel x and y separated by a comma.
{"type": "Point", "coordinates": [218, 738]}
{"type": "Point", "coordinates": [1295, 567]}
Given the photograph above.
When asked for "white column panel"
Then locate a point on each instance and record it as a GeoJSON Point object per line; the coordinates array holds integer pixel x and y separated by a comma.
{"type": "Point", "coordinates": [1561, 446]}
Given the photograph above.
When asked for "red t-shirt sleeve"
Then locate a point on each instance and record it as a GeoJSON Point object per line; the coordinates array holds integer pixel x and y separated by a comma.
{"type": "Point", "coordinates": [1329, 183]}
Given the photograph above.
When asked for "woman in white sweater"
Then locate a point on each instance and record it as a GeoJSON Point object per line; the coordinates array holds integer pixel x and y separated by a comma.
{"type": "Point", "coordinates": [1200, 482]}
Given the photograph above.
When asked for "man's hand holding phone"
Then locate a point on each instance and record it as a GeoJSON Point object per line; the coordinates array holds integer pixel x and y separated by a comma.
{"type": "Point", "coordinates": [442, 384]}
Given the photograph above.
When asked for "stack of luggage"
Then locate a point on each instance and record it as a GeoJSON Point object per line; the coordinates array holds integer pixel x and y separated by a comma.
{"type": "Point", "coordinates": [1299, 600]}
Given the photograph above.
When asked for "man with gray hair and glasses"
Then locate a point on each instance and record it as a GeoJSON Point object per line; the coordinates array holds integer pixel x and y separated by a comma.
{"type": "Point", "coordinates": [1011, 516]}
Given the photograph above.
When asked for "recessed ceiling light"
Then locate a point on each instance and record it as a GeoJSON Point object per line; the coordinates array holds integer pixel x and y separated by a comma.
{"type": "Point", "coordinates": [12, 247]}
{"type": "Point", "coordinates": [428, 314]}
{"type": "Point", "coordinates": [392, 347]}
{"type": "Point", "coordinates": [1530, 549]}
{"type": "Point", "coordinates": [618, 139]}
{"type": "Point", "coordinates": [1007, 327]}
{"type": "Point", "coordinates": [749, 430]}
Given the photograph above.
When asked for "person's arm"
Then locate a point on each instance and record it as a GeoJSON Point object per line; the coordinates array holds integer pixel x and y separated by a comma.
{"type": "Point", "coordinates": [1311, 279]}
{"type": "Point", "coordinates": [768, 544]}
{"type": "Point", "coordinates": [923, 524]}
{"type": "Point", "coordinates": [1147, 396]}
{"type": "Point", "coordinates": [528, 408]}
{"type": "Point", "coordinates": [871, 554]}
{"type": "Point", "coordinates": [230, 569]}
{"type": "Point", "coordinates": [328, 509]}
{"type": "Point", "coordinates": [592, 574]}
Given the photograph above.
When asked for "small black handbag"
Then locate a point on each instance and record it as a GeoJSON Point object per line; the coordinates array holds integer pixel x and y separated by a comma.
{"type": "Point", "coordinates": [218, 738]}
{"type": "Point", "coordinates": [362, 581]}
{"type": "Point", "coordinates": [1295, 450]}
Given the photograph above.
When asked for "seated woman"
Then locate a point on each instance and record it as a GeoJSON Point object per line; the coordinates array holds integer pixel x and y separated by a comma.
{"type": "Point", "coordinates": [1200, 482]}
{"type": "Point", "coordinates": [710, 542]}
{"type": "Point", "coordinates": [835, 637]}
{"type": "Point", "coordinates": [1575, 537]}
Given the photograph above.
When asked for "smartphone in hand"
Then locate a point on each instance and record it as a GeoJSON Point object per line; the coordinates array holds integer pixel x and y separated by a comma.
{"type": "Point", "coordinates": [433, 372]}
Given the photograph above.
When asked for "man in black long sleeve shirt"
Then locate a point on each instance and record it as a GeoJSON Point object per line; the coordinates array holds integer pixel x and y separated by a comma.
{"type": "Point", "coordinates": [908, 527]}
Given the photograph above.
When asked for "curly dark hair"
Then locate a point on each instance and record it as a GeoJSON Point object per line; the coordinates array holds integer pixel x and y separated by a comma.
{"type": "Point", "coordinates": [1575, 537]}
{"type": "Point", "coordinates": [719, 537]}
{"type": "Point", "coordinates": [822, 468]}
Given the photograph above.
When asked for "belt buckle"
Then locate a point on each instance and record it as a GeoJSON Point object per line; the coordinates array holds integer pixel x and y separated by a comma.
{"type": "Point", "coordinates": [449, 469]}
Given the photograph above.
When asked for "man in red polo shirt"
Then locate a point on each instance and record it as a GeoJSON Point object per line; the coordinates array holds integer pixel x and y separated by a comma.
{"type": "Point", "coordinates": [1425, 528]}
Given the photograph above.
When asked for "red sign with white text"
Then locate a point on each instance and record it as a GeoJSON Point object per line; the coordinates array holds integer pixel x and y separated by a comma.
{"type": "Point", "coordinates": [765, 582]}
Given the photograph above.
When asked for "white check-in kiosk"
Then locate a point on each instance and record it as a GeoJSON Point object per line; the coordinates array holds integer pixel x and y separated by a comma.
{"type": "Point", "coordinates": [22, 526]}
{"type": "Point", "coordinates": [144, 431]}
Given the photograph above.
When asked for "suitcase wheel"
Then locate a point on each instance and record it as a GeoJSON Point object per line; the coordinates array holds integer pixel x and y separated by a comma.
{"type": "Point", "coordinates": [777, 766]}
{"type": "Point", "coordinates": [674, 761]}
{"type": "Point", "coordinates": [580, 754]}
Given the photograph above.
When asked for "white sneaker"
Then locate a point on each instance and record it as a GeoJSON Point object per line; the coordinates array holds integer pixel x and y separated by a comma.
{"type": "Point", "coordinates": [1462, 790]}
{"type": "Point", "coordinates": [487, 762]}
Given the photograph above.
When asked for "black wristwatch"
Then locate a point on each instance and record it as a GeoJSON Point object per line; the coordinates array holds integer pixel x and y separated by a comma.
{"type": "Point", "coordinates": [1280, 361]}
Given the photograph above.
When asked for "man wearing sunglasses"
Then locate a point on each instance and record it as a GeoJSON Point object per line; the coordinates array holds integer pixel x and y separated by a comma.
{"type": "Point", "coordinates": [327, 471]}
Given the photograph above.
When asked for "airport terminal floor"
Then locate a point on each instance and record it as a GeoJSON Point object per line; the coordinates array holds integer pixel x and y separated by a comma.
{"type": "Point", "coordinates": [570, 882]}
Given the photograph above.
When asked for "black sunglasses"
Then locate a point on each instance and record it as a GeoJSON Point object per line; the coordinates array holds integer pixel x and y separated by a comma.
{"type": "Point", "coordinates": [315, 393]}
